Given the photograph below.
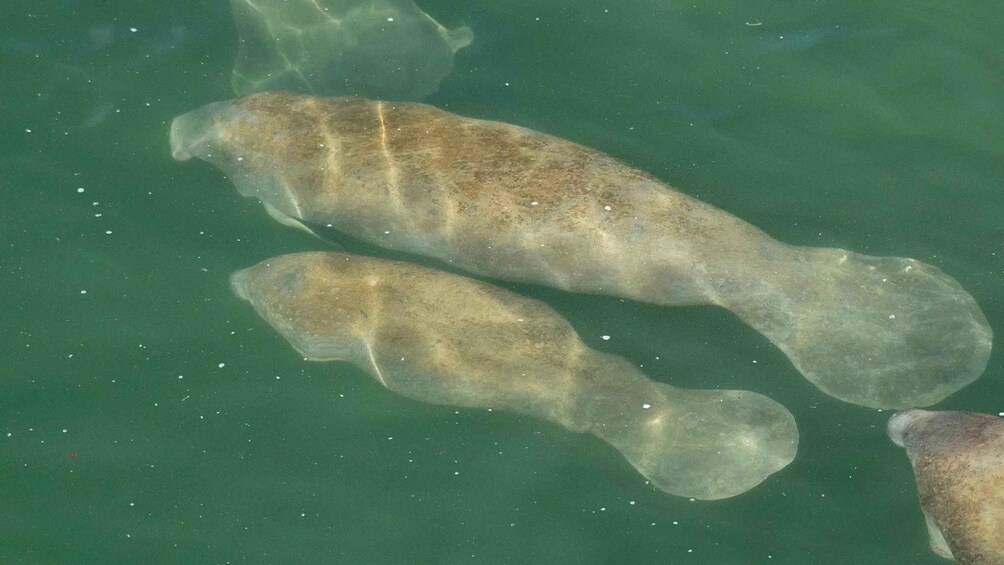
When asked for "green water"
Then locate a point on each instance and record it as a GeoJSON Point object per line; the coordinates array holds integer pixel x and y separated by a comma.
{"type": "Point", "coordinates": [148, 416]}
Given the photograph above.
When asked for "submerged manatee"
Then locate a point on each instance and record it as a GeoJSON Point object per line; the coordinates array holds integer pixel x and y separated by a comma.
{"type": "Point", "coordinates": [507, 202]}
{"type": "Point", "coordinates": [958, 459]}
{"type": "Point", "coordinates": [447, 339]}
{"type": "Point", "coordinates": [381, 48]}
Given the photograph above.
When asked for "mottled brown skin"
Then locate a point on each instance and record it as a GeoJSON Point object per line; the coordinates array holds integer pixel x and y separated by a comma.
{"type": "Point", "coordinates": [450, 340]}
{"type": "Point", "coordinates": [507, 202]}
{"type": "Point", "coordinates": [487, 218]}
{"type": "Point", "coordinates": [958, 460]}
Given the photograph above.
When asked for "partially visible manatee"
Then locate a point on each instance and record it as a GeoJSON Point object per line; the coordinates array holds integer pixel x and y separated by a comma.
{"type": "Point", "coordinates": [382, 48]}
{"type": "Point", "coordinates": [958, 460]}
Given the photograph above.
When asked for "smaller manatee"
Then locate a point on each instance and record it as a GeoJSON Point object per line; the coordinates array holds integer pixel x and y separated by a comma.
{"type": "Point", "coordinates": [451, 340]}
{"type": "Point", "coordinates": [958, 459]}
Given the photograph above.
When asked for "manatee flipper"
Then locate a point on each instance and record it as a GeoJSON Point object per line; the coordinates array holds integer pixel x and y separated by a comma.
{"type": "Point", "coordinates": [290, 221]}
{"type": "Point", "coordinates": [938, 543]}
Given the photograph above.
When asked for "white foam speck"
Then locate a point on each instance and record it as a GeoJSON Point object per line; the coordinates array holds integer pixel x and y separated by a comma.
{"type": "Point", "coordinates": [605, 337]}
{"type": "Point", "coordinates": [221, 365]}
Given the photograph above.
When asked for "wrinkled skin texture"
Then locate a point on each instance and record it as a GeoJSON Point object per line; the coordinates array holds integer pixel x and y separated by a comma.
{"type": "Point", "coordinates": [447, 339]}
{"type": "Point", "coordinates": [507, 202]}
{"type": "Point", "coordinates": [958, 460]}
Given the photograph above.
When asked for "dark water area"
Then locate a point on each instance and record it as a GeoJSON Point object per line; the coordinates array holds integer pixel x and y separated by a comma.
{"type": "Point", "coordinates": [148, 416]}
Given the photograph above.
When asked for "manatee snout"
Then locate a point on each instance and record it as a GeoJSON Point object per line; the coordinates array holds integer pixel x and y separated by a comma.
{"type": "Point", "coordinates": [194, 134]}
{"type": "Point", "coordinates": [896, 428]}
{"type": "Point", "coordinates": [237, 284]}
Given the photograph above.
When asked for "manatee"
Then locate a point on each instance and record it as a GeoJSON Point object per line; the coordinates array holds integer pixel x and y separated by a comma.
{"type": "Point", "coordinates": [378, 48]}
{"type": "Point", "coordinates": [510, 203]}
{"type": "Point", "coordinates": [958, 460]}
{"type": "Point", "coordinates": [447, 339]}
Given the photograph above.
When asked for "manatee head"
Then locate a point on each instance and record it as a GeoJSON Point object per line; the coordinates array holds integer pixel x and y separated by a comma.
{"type": "Point", "coordinates": [269, 145]}
{"type": "Point", "coordinates": [313, 300]}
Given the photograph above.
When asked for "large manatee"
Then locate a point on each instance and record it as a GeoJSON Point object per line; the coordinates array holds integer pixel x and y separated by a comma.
{"type": "Point", "coordinates": [451, 340]}
{"type": "Point", "coordinates": [958, 459]}
{"type": "Point", "coordinates": [507, 202]}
